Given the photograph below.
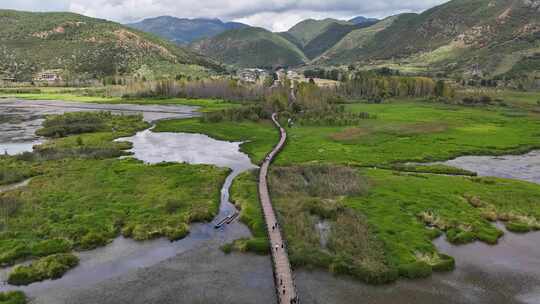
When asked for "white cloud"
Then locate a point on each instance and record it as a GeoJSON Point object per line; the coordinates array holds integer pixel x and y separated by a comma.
{"type": "Point", "coordinates": [276, 15]}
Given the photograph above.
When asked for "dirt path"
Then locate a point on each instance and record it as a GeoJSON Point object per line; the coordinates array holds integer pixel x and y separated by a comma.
{"type": "Point", "coordinates": [283, 277]}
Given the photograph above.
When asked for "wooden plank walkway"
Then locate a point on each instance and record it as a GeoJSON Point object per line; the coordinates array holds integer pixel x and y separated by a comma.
{"type": "Point", "coordinates": [284, 281]}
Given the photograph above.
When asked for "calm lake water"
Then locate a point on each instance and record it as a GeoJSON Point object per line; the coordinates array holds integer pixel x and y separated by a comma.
{"type": "Point", "coordinates": [524, 167]}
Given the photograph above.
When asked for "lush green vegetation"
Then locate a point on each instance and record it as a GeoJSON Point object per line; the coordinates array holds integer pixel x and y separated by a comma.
{"type": "Point", "coordinates": [13, 171]}
{"type": "Point", "coordinates": [391, 213]}
{"type": "Point", "coordinates": [401, 205]}
{"type": "Point", "coordinates": [306, 196]}
{"type": "Point", "coordinates": [12, 297]}
{"type": "Point", "coordinates": [82, 199]}
{"type": "Point", "coordinates": [51, 267]}
{"type": "Point", "coordinates": [75, 123]}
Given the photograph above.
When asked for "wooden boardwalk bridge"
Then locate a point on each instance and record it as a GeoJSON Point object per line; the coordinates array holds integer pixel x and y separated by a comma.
{"type": "Point", "coordinates": [283, 277]}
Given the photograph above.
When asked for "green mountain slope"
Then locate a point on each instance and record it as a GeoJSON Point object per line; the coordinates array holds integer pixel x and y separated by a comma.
{"type": "Point", "coordinates": [351, 46]}
{"type": "Point", "coordinates": [251, 47]}
{"type": "Point", "coordinates": [83, 47]}
{"type": "Point", "coordinates": [333, 34]}
{"type": "Point", "coordinates": [482, 37]}
{"type": "Point", "coordinates": [309, 29]}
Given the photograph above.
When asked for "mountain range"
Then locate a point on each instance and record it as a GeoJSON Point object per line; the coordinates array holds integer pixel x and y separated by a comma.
{"type": "Point", "coordinates": [185, 31]}
{"type": "Point", "coordinates": [258, 47]}
{"type": "Point", "coordinates": [486, 38]}
{"type": "Point", "coordinates": [84, 47]}
{"type": "Point", "coordinates": [460, 38]}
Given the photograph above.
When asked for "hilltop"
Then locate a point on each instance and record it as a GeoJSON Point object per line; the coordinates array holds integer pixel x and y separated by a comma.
{"type": "Point", "coordinates": [185, 31]}
{"type": "Point", "coordinates": [86, 48]}
{"type": "Point", "coordinates": [251, 47]}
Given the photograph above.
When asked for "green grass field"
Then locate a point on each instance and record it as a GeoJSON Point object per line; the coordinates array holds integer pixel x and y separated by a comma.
{"type": "Point", "coordinates": [403, 211]}
{"type": "Point", "coordinates": [403, 131]}
{"type": "Point", "coordinates": [82, 196]}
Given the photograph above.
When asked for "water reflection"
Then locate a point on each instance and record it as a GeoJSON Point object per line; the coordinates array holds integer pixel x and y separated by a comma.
{"type": "Point", "coordinates": [524, 167]}
{"type": "Point", "coordinates": [20, 119]}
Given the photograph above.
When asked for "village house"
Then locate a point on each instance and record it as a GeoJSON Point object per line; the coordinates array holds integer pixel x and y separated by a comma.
{"type": "Point", "coordinates": [252, 75]}
{"type": "Point", "coordinates": [48, 76]}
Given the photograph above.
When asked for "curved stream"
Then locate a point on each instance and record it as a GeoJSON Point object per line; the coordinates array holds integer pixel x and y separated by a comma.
{"type": "Point", "coordinates": [125, 255]}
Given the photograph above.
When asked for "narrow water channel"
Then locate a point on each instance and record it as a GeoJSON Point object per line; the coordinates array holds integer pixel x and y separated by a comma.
{"type": "Point", "coordinates": [125, 255]}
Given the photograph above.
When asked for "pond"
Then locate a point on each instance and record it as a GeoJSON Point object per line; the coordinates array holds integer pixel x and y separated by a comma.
{"type": "Point", "coordinates": [524, 167]}
{"type": "Point", "coordinates": [19, 119]}
{"type": "Point", "coordinates": [125, 255]}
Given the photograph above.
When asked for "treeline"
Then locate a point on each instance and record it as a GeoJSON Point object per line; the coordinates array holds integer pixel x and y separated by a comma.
{"type": "Point", "coordinates": [226, 89]}
{"type": "Point", "coordinates": [333, 74]}
{"type": "Point", "coordinates": [342, 75]}
{"type": "Point", "coordinates": [370, 85]}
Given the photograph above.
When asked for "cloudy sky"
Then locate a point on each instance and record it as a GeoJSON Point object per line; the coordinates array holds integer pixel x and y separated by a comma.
{"type": "Point", "coordinates": [277, 15]}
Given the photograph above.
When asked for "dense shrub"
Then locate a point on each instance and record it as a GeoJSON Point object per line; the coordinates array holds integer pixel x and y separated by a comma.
{"type": "Point", "coordinates": [489, 236]}
{"type": "Point", "coordinates": [12, 297]}
{"type": "Point", "coordinates": [318, 181]}
{"type": "Point", "coordinates": [93, 240]}
{"type": "Point", "coordinates": [476, 100]}
{"type": "Point", "coordinates": [415, 270]}
{"type": "Point", "coordinates": [250, 113]}
{"type": "Point", "coordinates": [51, 267]}
{"type": "Point", "coordinates": [518, 227]}
{"type": "Point", "coordinates": [13, 171]}
{"type": "Point", "coordinates": [20, 251]}
{"type": "Point", "coordinates": [258, 245]}
{"type": "Point", "coordinates": [176, 233]}
{"type": "Point", "coordinates": [48, 247]}
{"type": "Point", "coordinates": [74, 123]}
{"type": "Point", "coordinates": [458, 236]}
{"type": "Point", "coordinates": [446, 263]}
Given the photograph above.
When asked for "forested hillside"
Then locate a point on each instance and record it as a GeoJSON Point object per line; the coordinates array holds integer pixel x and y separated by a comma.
{"type": "Point", "coordinates": [81, 48]}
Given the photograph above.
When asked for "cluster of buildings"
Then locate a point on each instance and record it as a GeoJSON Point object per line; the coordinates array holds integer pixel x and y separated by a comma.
{"type": "Point", "coordinates": [49, 76]}
{"type": "Point", "coordinates": [252, 75]}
